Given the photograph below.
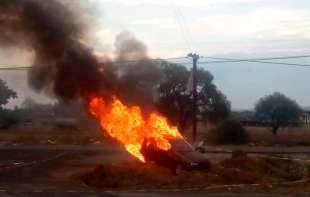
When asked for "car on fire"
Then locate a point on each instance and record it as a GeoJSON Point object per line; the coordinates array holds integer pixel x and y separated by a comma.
{"type": "Point", "coordinates": [181, 156]}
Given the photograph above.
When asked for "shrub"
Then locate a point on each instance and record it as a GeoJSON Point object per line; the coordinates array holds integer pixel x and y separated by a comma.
{"type": "Point", "coordinates": [237, 170]}
{"type": "Point", "coordinates": [238, 153]}
{"type": "Point", "coordinates": [6, 119]}
{"type": "Point", "coordinates": [228, 132]}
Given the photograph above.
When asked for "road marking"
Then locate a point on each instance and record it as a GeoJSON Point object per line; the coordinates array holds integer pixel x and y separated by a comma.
{"type": "Point", "coordinates": [18, 163]}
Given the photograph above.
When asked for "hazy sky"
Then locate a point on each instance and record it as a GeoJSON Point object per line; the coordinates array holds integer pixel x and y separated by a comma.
{"type": "Point", "coordinates": [219, 28]}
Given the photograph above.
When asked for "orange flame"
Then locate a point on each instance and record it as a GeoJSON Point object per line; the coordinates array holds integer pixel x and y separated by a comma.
{"type": "Point", "coordinates": [127, 125]}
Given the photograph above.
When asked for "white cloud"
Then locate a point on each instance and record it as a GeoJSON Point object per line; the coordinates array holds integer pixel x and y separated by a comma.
{"type": "Point", "coordinates": [258, 24]}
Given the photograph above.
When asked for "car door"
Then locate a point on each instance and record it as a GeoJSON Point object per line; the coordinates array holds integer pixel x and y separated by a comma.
{"type": "Point", "coordinates": [165, 158]}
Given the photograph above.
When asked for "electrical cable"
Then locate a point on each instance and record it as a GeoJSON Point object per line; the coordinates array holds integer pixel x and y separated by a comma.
{"type": "Point", "coordinates": [120, 62]}
{"type": "Point", "coordinates": [227, 60]}
{"type": "Point", "coordinates": [176, 14]}
{"type": "Point", "coordinates": [240, 60]}
{"type": "Point", "coordinates": [188, 32]}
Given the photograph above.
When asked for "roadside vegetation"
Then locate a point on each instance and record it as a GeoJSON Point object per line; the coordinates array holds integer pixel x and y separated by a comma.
{"type": "Point", "coordinates": [227, 132]}
{"type": "Point", "coordinates": [239, 169]}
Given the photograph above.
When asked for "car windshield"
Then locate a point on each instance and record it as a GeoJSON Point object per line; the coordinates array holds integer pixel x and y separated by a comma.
{"type": "Point", "coordinates": [180, 145]}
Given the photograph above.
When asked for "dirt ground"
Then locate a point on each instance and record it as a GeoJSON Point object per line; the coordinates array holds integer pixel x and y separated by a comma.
{"type": "Point", "coordinates": [59, 137]}
{"type": "Point", "coordinates": [263, 135]}
{"type": "Point", "coordinates": [287, 135]}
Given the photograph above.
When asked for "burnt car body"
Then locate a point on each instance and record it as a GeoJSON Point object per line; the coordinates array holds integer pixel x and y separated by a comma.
{"type": "Point", "coordinates": [181, 156]}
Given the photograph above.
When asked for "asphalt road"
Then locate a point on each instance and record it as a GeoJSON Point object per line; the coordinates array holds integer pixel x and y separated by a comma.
{"type": "Point", "coordinates": [43, 171]}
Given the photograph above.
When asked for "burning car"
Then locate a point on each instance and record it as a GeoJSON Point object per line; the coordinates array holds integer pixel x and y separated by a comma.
{"type": "Point", "coordinates": [181, 156]}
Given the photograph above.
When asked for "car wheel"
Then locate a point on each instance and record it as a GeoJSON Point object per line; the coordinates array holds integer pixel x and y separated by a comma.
{"type": "Point", "coordinates": [178, 169]}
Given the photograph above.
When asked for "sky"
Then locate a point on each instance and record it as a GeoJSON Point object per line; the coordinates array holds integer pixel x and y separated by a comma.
{"type": "Point", "coordinates": [240, 29]}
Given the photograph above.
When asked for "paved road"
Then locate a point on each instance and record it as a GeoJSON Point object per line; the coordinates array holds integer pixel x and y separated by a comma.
{"type": "Point", "coordinates": [34, 171]}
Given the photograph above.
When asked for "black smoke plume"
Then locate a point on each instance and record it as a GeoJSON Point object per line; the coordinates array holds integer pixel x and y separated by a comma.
{"type": "Point", "coordinates": [138, 76]}
{"type": "Point", "coordinates": [62, 62]}
{"type": "Point", "coordinates": [68, 67]}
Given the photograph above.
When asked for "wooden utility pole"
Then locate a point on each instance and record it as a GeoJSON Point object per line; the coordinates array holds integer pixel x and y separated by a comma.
{"type": "Point", "coordinates": [195, 58]}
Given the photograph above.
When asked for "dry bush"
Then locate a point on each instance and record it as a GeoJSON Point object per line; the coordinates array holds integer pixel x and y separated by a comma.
{"type": "Point", "coordinates": [237, 170]}
{"type": "Point", "coordinates": [130, 175]}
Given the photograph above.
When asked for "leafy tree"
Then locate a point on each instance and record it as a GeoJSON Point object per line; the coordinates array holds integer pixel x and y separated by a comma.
{"type": "Point", "coordinates": [277, 109]}
{"type": "Point", "coordinates": [7, 118]}
{"type": "Point", "coordinates": [6, 93]}
{"type": "Point", "coordinates": [175, 102]}
{"type": "Point", "coordinates": [28, 103]}
{"type": "Point", "coordinates": [228, 132]}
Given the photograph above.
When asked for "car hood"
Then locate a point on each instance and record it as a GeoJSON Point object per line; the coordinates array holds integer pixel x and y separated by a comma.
{"type": "Point", "coordinates": [193, 156]}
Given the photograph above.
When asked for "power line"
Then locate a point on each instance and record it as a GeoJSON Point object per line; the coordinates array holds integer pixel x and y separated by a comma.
{"type": "Point", "coordinates": [225, 60]}
{"type": "Point", "coordinates": [267, 58]}
{"type": "Point", "coordinates": [258, 60]}
{"type": "Point", "coordinates": [172, 58]}
{"type": "Point", "coordinates": [15, 68]}
{"type": "Point", "coordinates": [117, 62]}
{"type": "Point", "coordinates": [264, 62]}
{"type": "Point", "coordinates": [135, 61]}
{"type": "Point", "coordinates": [176, 14]}
{"type": "Point", "coordinates": [188, 32]}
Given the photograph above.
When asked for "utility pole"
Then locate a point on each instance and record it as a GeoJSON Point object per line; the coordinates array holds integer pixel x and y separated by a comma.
{"type": "Point", "coordinates": [195, 58]}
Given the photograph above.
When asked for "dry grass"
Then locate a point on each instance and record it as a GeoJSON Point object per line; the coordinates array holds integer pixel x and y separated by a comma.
{"type": "Point", "coordinates": [299, 136]}
{"type": "Point", "coordinates": [239, 170]}
{"type": "Point", "coordinates": [263, 136]}
{"type": "Point", "coordinates": [258, 135]}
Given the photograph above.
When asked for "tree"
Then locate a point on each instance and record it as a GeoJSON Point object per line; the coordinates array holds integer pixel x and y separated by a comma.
{"type": "Point", "coordinates": [277, 109]}
{"type": "Point", "coordinates": [228, 132]}
{"type": "Point", "coordinates": [175, 102]}
{"type": "Point", "coordinates": [6, 93]}
{"type": "Point", "coordinates": [28, 103]}
{"type": "Point", "coordinates": [6, 118]}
